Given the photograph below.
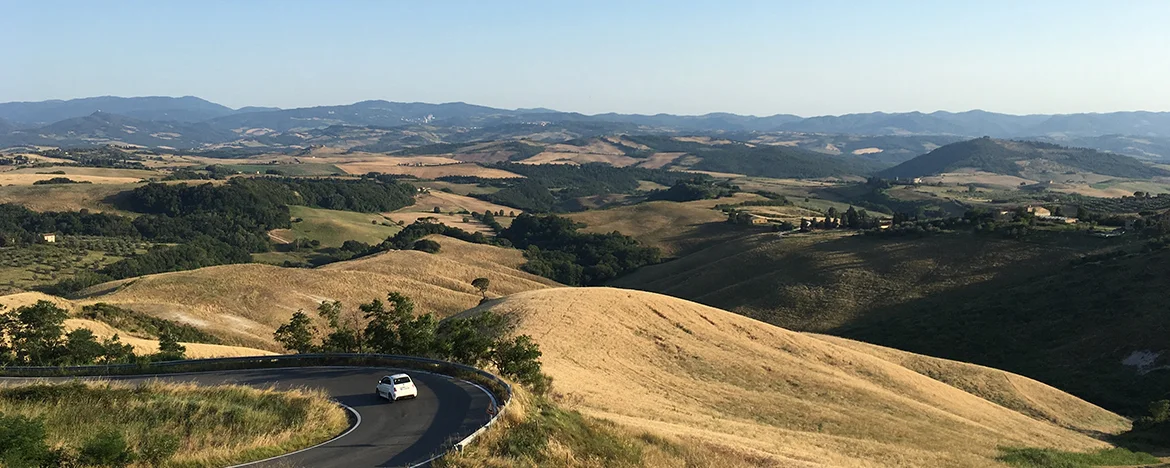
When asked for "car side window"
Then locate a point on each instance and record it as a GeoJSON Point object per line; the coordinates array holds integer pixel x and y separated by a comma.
{"type": "Point", "coordinates": [384, 380]}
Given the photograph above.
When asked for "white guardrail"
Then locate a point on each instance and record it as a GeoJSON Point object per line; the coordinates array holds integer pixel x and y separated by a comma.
{"type": "Point", "coordinates": [498, 390]}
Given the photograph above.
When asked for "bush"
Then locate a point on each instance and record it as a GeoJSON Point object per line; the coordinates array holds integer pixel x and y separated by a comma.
{"type": "Point", "coordinates": [427, 245]}
{"type": "Point", "coordinates": [22, 442]}
{"type": "Point", "coordinates": [107, 449]}
{"type": "Point", "coordinates": [157, 449]}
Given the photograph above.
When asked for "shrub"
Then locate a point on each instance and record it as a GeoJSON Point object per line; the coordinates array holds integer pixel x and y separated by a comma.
{"type": "Point", "coordinates": [22, 442]}
{"type": "Point", "coordinates": [427, 245]}
{"type": "Point", "coordinates": [107, 449]}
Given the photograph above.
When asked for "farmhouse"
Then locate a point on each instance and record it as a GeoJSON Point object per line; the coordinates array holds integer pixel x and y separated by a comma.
{"type": "Point", "coordinates": [1058, 219]}
{"type": "Point", "coordinates": [1039, 211]}
{"type": "Point", "coordinates": [49, 238]}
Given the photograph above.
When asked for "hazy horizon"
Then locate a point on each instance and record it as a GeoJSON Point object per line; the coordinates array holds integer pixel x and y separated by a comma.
{"type": "Point", "coordinates": [685, 58]}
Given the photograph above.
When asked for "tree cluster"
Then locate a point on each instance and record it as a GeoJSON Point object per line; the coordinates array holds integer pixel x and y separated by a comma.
{"type": "Point", "coordinates": [392, 327]}
{"type": "Point", "coordinates": [555, 249]}
{"type": "Point", "coordinates": [694, 189]}
{"type": "Point", "coordinates": [34, 335]}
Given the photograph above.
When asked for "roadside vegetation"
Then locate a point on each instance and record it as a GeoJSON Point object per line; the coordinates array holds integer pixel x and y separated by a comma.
{"type": "Point", "coordinates": [154, 424]}
{"type": "Point", "coordinates": [1049, 458]}
{"type": "Point", "coordinates": [537, 431]}
{"type": "Point", "coordinates": [392, 327]}
{"type": "Point", "coordinates": [34, 335]}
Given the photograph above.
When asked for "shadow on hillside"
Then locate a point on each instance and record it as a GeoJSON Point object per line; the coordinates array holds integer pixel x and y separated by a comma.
{"type": "Point", "coordinates": [1067, 326]}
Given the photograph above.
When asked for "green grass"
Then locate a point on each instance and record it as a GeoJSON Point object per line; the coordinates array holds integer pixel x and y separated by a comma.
{"type": "Point", "coordinates": [214, 426]}
{"type": "Point", "coordinates": [305, 169]}
{"type": "Point", "coordinates": [1048, 458]}
{"type": "Point", "coordinates": [332, 227]}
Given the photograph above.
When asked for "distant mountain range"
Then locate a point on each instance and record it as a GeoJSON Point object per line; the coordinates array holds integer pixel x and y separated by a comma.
{"type": "Point", "coordinates": [200, 122]}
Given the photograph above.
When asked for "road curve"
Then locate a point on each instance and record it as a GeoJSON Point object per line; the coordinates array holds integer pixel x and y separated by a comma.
{"type": "Point", "coordinates": [390, 434]}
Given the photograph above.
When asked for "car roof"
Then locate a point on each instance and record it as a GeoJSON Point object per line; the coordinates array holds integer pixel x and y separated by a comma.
{"type": "Point", "coordinates": [395, 376]}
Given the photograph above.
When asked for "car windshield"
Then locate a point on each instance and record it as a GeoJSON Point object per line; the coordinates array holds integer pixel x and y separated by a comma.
{"type": "Point", "coordinates": [401, 380]}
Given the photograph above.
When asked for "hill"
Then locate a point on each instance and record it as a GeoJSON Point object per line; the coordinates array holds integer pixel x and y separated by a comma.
{"type": "Point", "coordinates": [1020, 158]}
{"type": "Point", "coordinates": [162, 108]}
{"type": "Point", "coordinates": [1095, 328]}
{"type": "Point", "coordinates": [730, 384]}
{"type": "Point", "coordinates": [243, 304]}
{"type": "Point", "coordinates": [819, 281]}
{"type": "Point", "coordinates": [673, 227]}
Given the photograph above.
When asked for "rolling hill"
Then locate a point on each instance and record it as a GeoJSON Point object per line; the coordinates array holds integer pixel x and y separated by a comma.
{"type": "Point", "coordinates": [735, 386]}
{"type": "Point", "coordinates": [243, 304]}
{"type": "Point", "coordinates": [817, 282]}
{"type": "Point", "coordinates": [1018, 158]}
{"type": "Point", "coordinates": [104, 127]}
{"type": "Point", "coordinates": [1094, 328]}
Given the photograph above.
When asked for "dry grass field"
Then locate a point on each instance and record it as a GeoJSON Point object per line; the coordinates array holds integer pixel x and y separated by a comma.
{"type": "Point", "coordinates": [71, 171]}
{"type": "Point", "coordinates": [243, 304]}
{"type": "Point", "coordinates": [553, 157]}
{"type": "Point", "coordinates": [660, 160]}
{"type": "Point", "coordinates": [426, 172]}
{"type": "Point", "coordinates": [15, 178]}
{"type": "Point", "coordinates": [211, 425]}
{"type": "Point", "coordinates": [425, 204]}
{"type": "Point", "coordinates": [706, 376]}
{"type": "Point", "coordinates": [979, 178]}
{"type": "Point", "coordinates": [819, 281]}
{"type": "Point", "coordinates": [675, 228]}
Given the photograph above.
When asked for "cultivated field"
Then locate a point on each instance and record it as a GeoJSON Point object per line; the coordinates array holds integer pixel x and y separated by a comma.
{"type": "Point", "coordinates": [710, 377]}
{"type": "Point", "coordinates": [243, 304]}
{"type": "Point", "coordinates": [333, 227]}
{"type": "Point", "coordinates": [675, 228]}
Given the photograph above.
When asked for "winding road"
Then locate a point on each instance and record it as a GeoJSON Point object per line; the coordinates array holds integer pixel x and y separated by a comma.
{"type": "Point", "coordinates": [403, 433]}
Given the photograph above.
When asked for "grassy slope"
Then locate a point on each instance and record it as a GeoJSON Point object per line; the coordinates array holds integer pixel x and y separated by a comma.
{"type": "Point", "coordinates": [819, 281]}
{"type": "Point", "coordinates": [675, 228]}
{"type": "Point", "coordinates": [243, 304]}
{"type": "Point", "coordinates": [64, 197]}
{"type": "Point", "coordinates": [640, 359]}
{"type": "Point", "coordinates": [216, 426]}
{"type": "Point", "coordinates": [1070, 327]}
{"type": "Point", "coordinates": [333, 227]}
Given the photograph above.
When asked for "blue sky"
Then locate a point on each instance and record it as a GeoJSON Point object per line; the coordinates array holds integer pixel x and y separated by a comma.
{"type": "Point", "coordinates": [687, 57]}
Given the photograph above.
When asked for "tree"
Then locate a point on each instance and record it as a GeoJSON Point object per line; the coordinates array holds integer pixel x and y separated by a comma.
{"type": "Point", "coordinates": [82, 347]}
{"type": "Point", "coordinates": [393, 328]}
{"type": "Point", "coordinates": [116, 352]}
{"type": "Point", "coordinates": [297, 334]}
{"type": "Point", "coordinates": [519, 358]}
{"type": "Point", "coordinates": [1082, 213]}
{"type": "Point", "coordinates": [169, 349]}
{"type": "Point", "coordinates": [106, 449]}
{"type": "Point", "coordinates": [481, 285]}
{"type": "Point", "coordinates": [35, 333]}
{"type": "Point", "coordinates": [346, 336]}
{"type": "Point", "coordinates": [437, 210]}
{"type": "Point", "coordinates": [852, 219]}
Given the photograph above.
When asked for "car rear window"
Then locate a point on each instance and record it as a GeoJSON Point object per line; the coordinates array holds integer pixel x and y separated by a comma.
{"type": "Point", "coordinates": [401, 380]}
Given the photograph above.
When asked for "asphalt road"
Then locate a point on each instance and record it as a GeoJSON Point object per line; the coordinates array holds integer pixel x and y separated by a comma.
{"type": "Point", "coordinates": [387, 434]}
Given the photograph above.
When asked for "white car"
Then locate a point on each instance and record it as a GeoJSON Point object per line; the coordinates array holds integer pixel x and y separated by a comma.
{"type": "Point", "coordinates": [396, 387]}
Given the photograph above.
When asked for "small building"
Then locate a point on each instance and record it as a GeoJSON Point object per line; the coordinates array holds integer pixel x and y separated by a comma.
{"type": "Point", "coordinates": [757, 219]}
{"type": "Point", "coordinates": [1058, 219]}
{"type": "Point", "coordinates": [1039, 211]}
{"type": "Point", "coordinates": [49, 238]}
{"type": "Point", "coordinates": [885, 223]}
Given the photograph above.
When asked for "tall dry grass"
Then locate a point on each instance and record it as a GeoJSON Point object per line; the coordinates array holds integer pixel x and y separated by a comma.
{"type": "Point", "coordinates": [216, 426]}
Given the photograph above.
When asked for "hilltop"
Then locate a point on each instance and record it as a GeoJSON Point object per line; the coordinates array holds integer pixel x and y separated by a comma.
{"type": "Point", "coordinates": [1021, 158]}
{"type": "Point", "coordinates": [736, 386]}
{"type": "Point", "coordinates": [242, 304]}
